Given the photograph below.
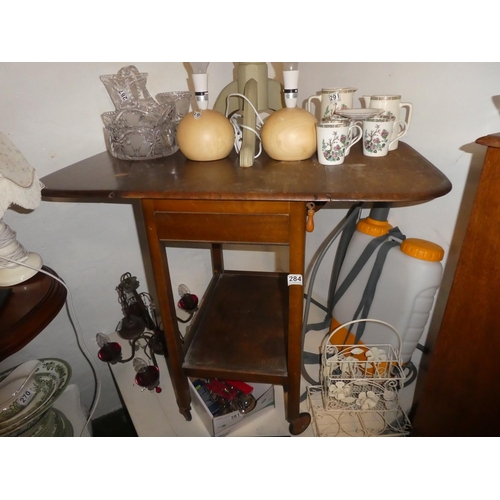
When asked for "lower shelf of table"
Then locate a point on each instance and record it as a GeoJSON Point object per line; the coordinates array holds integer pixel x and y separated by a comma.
{"type": "Point", "coordinates": [348, 423]}
{"type": "Point", "coordinates": [241, 329]}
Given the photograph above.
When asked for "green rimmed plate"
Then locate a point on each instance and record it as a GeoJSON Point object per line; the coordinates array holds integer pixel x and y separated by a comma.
{"type": "Point", "coordinates": [63, 427]}
{"type": "Point", "coordinates": [42, 427]}
{"type": "Point", "coordinates": [47, 384]}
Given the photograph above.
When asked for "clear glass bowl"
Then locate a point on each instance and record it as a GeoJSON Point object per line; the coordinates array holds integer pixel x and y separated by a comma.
{"type": "Point", "coordinates": [181, 99]}
{"type": "Point", "coordinates": [141, 143]}
{"type": "Point", "coordinates": [136, 134]}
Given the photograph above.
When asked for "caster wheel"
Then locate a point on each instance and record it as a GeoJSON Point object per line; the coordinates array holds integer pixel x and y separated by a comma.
{"type": "Point", "coordinates": [300, 425]}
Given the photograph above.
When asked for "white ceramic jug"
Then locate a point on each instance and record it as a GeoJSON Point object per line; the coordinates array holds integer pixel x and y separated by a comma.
{"type": "Point", "coordinates": [331, 100]}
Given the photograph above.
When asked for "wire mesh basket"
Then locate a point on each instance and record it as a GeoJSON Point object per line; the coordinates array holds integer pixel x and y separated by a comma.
{"type": "Point", "coordinates": [361, 377]}
{"type": "Point", "coordinates": [348, 423]}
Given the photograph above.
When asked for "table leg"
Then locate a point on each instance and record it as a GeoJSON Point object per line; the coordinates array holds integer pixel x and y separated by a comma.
{"type": "Point", "coordinates": [298, 421]}
{"type": "Point", "coordinates": [167, 310]}
{"type": "Point", "coordinates": [217, 258]}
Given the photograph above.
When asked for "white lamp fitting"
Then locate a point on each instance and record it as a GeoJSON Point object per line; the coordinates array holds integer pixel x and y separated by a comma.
{"type": "Point", "coordinates": [291, 80]}
{"type": "Point", "coordinates": [200, 81]}
{"type": "Point", "coordinates": [10, 272]}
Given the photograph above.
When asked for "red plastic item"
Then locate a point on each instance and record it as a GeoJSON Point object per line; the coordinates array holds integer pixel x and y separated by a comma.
{"type": "Point", "coordinates": [221, 389]}
{"type": "Point", "coordinates": [240, 386]}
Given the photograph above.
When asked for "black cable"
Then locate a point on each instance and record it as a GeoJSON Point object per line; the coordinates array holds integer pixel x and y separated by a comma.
{"type": "Point", "coordinates": [316, 303]}
{"type": "Point", "coordinates": [340, 254]}
{"type": "Point", "coordinates": [185, 320]}
{"type": "Point", "coordinates": [413, 373]}
{"type": "Point", "coordinates": [351, 215]}
{"type": "Point", "coordinates": [424, 349]}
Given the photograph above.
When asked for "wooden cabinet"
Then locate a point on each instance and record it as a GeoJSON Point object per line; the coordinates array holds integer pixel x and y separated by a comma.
{"type": "Point", "coordinates": [250, 324]}
{"type": "Point", "coordinates": [459, 395]}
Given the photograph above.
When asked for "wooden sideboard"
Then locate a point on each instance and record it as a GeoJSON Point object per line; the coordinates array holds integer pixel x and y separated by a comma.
{"type": "Point", "coordinates": [459, 393]}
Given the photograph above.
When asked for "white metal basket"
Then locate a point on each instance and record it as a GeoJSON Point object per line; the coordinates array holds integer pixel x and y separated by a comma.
{"type": "Point", "coordinates": [339, 423]}
{"type": "Point", "coordinates": [361, 377]}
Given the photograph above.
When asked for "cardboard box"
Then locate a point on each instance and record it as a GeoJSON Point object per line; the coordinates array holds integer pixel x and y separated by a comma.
{"type": "Point", "coordinates": [226, 424]}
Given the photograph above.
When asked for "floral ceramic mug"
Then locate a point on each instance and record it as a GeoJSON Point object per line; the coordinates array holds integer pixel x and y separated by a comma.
{"type": "Point", "coordinates": [334, 140]}
{"type": "Point", "coordinates": [378, 134]}
{"type": "Point", "coordinates": [392, 106]}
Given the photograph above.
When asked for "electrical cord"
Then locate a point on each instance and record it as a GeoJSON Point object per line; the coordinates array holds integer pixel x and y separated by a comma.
{"type": "Point", "coordinates": [238, 134]}
{"type": "Point", "coordinates": [79, 337]}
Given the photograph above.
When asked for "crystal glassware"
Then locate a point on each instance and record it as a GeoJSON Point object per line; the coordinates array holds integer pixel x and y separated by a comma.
{"type": "Point", "coordinates": [139, 128]}
{"type": "Point", "coordinates": [181, 99]}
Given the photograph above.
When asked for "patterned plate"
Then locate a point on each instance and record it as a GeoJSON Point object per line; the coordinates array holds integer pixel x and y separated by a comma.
{"type": "Point", "coordinates": [63, 427]}
{"type": "Point", "coordinates": [43, 427]}
{"type": "Point", "coordinates": [48, 383]}
{"type": "Point", "coordinates": [13, 386]}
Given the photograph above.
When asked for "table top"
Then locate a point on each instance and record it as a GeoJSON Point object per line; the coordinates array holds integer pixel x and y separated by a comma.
{"type": "Point", "coordinates": [403, 175]}
{"type": "Point", "coordinates": [28, 309]}
{"type": "Point", "coordinates": [492, 140]}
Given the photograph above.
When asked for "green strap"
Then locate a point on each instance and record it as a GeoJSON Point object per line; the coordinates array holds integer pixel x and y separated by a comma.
{"type": "Point", "coordinates": [356, 268]}
{"type": "Point", "coordinates": [348, 280]}
{"type": "Point", "coordinates": [368, 295]}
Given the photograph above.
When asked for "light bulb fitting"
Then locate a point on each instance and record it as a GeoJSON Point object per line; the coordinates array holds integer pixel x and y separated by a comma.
{"type": "Point", "coordinates": [291, 79]}
{"type": "Point", "coordinates": [200, 81]}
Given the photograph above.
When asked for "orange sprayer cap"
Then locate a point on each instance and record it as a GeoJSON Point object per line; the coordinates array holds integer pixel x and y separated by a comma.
{"type": "Point", "coordinates": [422, 249]}
{"type": "Point", "coordinates": [373, 227]}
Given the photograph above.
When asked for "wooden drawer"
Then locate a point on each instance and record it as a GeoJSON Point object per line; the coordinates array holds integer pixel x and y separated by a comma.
{"type": "Point", "coordinates": [223, 222]}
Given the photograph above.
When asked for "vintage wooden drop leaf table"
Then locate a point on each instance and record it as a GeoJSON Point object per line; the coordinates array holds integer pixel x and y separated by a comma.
{"type": "Point", "coordinates": [249, 326]}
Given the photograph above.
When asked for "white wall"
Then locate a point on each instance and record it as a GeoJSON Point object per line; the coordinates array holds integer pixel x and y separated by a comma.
{"type": "Point", "coordinates": [51, 111]}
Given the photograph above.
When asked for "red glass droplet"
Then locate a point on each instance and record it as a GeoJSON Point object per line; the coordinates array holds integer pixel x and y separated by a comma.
{"type": "Point", "coordinates": [148, 378]}
{"type": "Point", "coordinates": [110, 352]}
{"type": "Point", "coordinates": [188, 302]}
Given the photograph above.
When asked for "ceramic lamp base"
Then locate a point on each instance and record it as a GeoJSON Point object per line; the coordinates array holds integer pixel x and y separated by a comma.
{"type": "Point", "coordinates": [14, 275]}
{"type": "Point", "coordinates": [10, 272]}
